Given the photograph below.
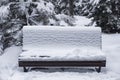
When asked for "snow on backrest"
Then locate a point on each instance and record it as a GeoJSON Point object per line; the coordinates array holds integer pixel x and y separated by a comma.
{"type": "Point", "coordinates": [54, 36]}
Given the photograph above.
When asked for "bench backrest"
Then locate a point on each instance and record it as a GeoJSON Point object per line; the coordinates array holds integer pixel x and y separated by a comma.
{"type": "Point", "coordinates": [54, 36]}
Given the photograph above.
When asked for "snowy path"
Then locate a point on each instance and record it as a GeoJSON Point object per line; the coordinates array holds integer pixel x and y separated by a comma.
{"type": "Point", "coordinates": [65, 76]}
{"type": "Point", "coordinates": [112, 48]}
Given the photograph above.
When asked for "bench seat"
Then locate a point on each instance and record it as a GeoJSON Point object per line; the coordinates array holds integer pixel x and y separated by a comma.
{"type": "Point", "coordinates": [63, 54]}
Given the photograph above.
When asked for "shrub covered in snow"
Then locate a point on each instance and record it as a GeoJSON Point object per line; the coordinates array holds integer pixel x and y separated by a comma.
{"type": "Point", "coordinates": [12, 35]}
{"type": "Point", "coordinates": [17, 13]}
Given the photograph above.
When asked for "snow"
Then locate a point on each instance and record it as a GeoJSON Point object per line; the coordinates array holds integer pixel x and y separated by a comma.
{"type": "Point", "coordinates": [8, 55]}
{"type": "Point", "coordinates": [64, 19]}
{"type": "Point", "coordinates": [9, 69]}
{"type": "Point", "coordinates": [4, 11]}
{"type": "Point", "coordinates": [111, 47]}
{"type": "Point", "coordinates": [45, 6]}
{"type": "Point", "coordinates": [111, 72]}
{"type": "Point", "coordinates": [62, 43]}
{"type": "Point", "coordinates": [8, 62]}
{"type": "Point", "coordinates": [63, 54]}
{"type": "Point", "coordinates": [81, 21]}
{"type": "Point", "coordinates": [94, 1]}
{"type": "Point", "coordinates": [50, 36]}
{"type": "Point", "coordinates": [64, 76]}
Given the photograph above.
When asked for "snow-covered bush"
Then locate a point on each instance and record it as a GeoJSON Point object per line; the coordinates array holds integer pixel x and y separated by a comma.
{"type": "Point", "coordinates": [61, 6]}
{"type": "Point", "coordinates": [4, 11]}
{"type": "Point", "coordinates": [17, 13]}
{"type": "Point", "coordinates": [12, 24]}
{"type": "Point", "coordinates": [40, 12]}
{"type": "Point", "coordinates": [4, 2]}
{"type": "Point", "coordinates": [65, 20]}
{"type": "Point", "coordinates": [12, 35]}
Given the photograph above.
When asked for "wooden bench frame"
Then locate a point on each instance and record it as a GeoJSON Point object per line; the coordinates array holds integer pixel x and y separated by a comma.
{"type": "Point", "coordinates": [98, 64]}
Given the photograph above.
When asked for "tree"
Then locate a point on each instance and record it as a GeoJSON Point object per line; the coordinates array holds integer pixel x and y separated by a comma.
{"type": "Point", "coordinates": [107, 15]}
{"type": "Point", "coordinates": [17, 13]}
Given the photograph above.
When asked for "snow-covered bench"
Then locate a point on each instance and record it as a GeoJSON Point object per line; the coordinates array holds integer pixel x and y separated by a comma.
{"type": "Point", "coordinates": [53, 46]}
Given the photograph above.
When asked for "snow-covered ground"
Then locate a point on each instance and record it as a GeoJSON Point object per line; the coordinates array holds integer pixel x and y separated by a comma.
{"type": "Point", "coordinates": [111, 46]}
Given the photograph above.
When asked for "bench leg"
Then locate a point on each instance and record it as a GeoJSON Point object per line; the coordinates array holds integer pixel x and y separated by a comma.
{"type": "Point", "coordinates": [98, 69]}
{"type": "Point", "coordinates": [25, 69]}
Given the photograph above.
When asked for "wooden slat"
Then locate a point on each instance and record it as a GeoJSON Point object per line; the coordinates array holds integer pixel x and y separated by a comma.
{"type": "Point", "coordinates": [62, 63]}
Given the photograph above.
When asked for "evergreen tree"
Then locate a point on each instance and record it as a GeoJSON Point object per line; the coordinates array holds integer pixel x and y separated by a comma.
{"type": "Point", "coordinates": [17, 13]}
{"type": "Point", "coordinates": [84, 7]}
{"type": "Point", "coordinates": [107, 15]}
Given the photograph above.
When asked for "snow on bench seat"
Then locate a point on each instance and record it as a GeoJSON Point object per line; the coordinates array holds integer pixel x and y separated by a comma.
{"type": "Point", "coordinates": [53, 43]}
{"type": "Point", "coordinates": [63, 54]}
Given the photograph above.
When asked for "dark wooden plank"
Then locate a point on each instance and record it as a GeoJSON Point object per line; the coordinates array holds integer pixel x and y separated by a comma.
{"type": "Point", "coordinates": [62, 63]}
